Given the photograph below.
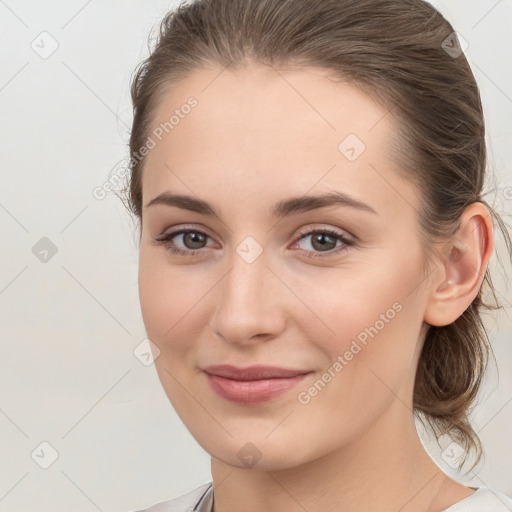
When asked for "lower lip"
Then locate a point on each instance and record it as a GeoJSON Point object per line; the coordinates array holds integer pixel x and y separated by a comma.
{"type": "Point", "coordinates": [252, 391]}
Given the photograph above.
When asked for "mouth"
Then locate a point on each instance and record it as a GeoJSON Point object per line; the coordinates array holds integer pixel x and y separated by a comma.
{"type": "Point", "coordinates": [252, 385]}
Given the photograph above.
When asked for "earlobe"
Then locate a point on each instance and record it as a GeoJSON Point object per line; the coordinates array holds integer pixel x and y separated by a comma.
{"type": "Point", "coordinates": [461, 269]}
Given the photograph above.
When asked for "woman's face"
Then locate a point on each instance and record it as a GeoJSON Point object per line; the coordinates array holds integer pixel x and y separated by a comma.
{"type": "Point", "coordinates": [347, 306]}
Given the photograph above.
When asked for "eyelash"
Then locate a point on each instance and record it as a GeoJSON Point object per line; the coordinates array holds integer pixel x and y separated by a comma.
{"type": "Point", "coordinates": [166, 242]}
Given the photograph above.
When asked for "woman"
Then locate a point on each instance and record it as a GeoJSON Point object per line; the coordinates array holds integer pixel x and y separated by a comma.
{"type": "Point", "coordinates": [308, 178]}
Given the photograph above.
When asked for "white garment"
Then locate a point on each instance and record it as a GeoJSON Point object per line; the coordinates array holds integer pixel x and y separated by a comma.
{"type": "Point", "coordinates": [197, 500]}
{"type": "Point", "coordinates": [200, 499]}
{"type": "Point", "coordinates": [484, 499]}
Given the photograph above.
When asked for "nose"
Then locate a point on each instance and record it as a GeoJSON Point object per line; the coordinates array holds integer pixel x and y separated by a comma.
{"type": "Point", "coordinates": [250, 302]}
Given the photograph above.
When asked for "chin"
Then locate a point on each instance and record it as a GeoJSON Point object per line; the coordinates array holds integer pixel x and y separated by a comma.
{"type": "Point", "coordinates": [259, 453]}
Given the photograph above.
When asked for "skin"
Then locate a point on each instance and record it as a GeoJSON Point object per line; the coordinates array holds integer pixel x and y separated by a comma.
{"type": "Point", "coordinates": [255, 138]}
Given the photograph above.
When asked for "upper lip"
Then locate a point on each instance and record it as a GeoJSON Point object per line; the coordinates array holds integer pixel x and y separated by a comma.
{"type": "Point", "coordinates": [256, 372]}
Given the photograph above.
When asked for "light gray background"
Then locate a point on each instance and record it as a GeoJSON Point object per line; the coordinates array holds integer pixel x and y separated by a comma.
{"type": "Point", "coordinates": [69, 326]}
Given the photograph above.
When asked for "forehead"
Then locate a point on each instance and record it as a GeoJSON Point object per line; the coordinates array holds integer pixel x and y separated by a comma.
{"type": "Point", "coordinates": [268, 133]}
{"type": "Point", "coordinates": [261, 98]}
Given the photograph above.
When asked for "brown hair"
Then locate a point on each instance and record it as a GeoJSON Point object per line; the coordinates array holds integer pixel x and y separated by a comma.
{"type": "Point", "coordinates": [404, 55]}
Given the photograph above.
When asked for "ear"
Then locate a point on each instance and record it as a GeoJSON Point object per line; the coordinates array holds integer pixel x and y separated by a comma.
{"type": "Point", "coordinates": [461, 267]}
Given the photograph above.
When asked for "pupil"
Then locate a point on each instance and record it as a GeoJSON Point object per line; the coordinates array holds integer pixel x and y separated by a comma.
{"type": "Point", "coordinates": [194, 238]}
{"type": "Point", "coordinates": [320, 238]}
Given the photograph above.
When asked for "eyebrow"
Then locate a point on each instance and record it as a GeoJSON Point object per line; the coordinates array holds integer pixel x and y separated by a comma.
{"type": "Point", "coordinates": [284, 208]}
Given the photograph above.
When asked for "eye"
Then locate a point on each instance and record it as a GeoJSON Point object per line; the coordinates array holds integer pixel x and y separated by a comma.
{"type": "Point", "coordinates": [324, 241]}
{"type": "Point", "coordinates": [190, 237]}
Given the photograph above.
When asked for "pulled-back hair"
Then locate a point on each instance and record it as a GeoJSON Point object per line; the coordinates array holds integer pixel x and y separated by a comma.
{"type": "Point", "coordinates": [403, 54]}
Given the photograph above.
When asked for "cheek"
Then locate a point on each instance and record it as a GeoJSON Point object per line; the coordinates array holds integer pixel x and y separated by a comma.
{"type": "Point", "coordinates": [369, 363]}
{"type": "Point", "coordinates": [167, 296]}
{"type": "Point", "coordinates": [349, 300]}
{"type": "Point", "coordinates": [167, 293]}
{"type": "Point", "coordinates": [373, 318]}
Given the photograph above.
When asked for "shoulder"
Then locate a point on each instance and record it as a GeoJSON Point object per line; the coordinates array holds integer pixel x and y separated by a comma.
{"type": "Point", "coordinates": [484, 499]}
{"type": "Point", "coordinates": [184, 503]}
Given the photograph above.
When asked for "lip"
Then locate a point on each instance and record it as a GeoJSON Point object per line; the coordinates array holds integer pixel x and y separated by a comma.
{"type": "Point", "coordinates": [255, 372]}
{"type": "Point", "coordinates": [253, 384]}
